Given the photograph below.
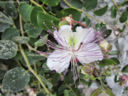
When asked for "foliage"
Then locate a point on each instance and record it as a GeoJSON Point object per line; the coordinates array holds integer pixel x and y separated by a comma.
{"type": "Point", "coordinates": [25, 29]}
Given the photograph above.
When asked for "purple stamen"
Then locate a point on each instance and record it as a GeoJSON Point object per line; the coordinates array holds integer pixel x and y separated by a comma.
{"type": "Point", "coordinates": [51, 44]}
{"type": "Point", "coordinates": [43, 53]}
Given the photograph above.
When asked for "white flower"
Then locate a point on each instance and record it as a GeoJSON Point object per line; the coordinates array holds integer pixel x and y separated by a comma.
{"type": "Point", "coordinates": [74, 47]}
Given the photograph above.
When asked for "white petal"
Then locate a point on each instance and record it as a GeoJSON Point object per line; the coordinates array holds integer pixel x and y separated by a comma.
{"type": "Point", "coordinates": [85, 35]}
{"type": "Point", "coordinates": [89, 53]}
{"type": "Point", "coordinates": [62, 36]}
{"type": "Point", "coordinates": [59, 60]}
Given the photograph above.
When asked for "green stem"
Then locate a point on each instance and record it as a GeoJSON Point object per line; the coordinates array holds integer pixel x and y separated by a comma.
{"type": "Point", "coordinates": [116, 6]}
{"type": "Point", "coordinates": [34, 49]}
{"type": "Point", "coordinates": [27, 61]}
{"type": "Point", "coordinates": [82, 11]}
{"type": "Point", "coordinates": [32, 71]}
{"type": "Point", "coordinates": [21, 25]}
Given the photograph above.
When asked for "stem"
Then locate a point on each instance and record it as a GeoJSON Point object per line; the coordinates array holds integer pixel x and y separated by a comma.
{"type": "Point", "coordinates": [31, 48]}
{"type": "Point", "coordinates": [21, 25]}
{"type": "Point", "coordinates": [20, 21]}
{"type": "Point", "coordinates": [34, 49]}
{"type": "Point", "coordinates": [116, 6]}
{"type": "Point", "coordinates": [32, 71]}
{"type": "Point", "coordinates": [80, 10]}
{"type": "Point", "coordinates": [88, 15]}
{"type": "Point", "coordinates": [27, 62]}
{"type": "Point", "coordinates": [35, 3]}
{"type": "Point", "coordinates": [80, 23]}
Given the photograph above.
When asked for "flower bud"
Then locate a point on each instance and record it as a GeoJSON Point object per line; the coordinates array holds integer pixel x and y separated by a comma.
{"type": "Point", "coordinates": [117, 33]}
{"type": "Point", "coordinates": [68, 19]}
{"type": "Point", "coordinates": [124, 78]}
{"type": "Point", "coordinates": [105, 46]}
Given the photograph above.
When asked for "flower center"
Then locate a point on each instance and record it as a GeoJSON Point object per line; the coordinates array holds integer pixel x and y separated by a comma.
{"type": "Point", "coordinates": [72, 41]}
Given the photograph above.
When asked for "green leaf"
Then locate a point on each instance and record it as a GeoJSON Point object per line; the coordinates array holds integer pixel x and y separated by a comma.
{"type": "Point", "coordinates": [107, 33]}
{"type": "Point", "coordinates": [47, 19]}
{"type": "Point", "coordinates": [100, 26]}
{"type": "Point", "coordinates": [96, 92]}
{"type": "Point", "coordinates": [113, 12]}
{"type": "Point", "coordinates": [124, 3]}
{"type": "Point", "coordinates": [87, 20]}
{"type": "Point", "coordinates": [125, 68]}
{"type": "Point", "coordinates": [10, 33]}
{"type": "Point", "coordinates": [101, 11]}
{"type": "Point", "coordinates": [124, 17]}
{"type": "Point", "coordinates": [43, 20]}
{"type": "Point", "coordinates": [109, 92]}
{"type": "Point", "coordinates": [84, 82]}
{"type": "Point", "coordinates": [25, 10]}
{"type": "Point", "coordinates": [33, 58]}
{"type": "Point", "coordinates": [67, 11]}
{"type": "Point", "coordinates": [8, 49]}
{"type": "Point", "coordinates": [107, 62]}
{"type": "Point", "coordinates": [41, 41]}
{"type": "Point", "coordinates": [90, 4]}
{"type": "Point", "coordinates": [77, 3]}
{"type": "Point", "coordinates": [5, 22]}
{"type": "Point", "coordinates": [68, 78]}
{"type": "Point", "coordinates": [15, 80]}
{"type": "Point", "coordinates": [32, 31]}
{"type": "Point", "coordinates": [67, 93]}
{"type": "Point", "coordinates": [21, 40]}
{"type": "Point", "coordinates": [51, 2]}
{"type": "Point", "coordinates": [10, 9]}
{"type": "Point", "coordinates": [33, 16]}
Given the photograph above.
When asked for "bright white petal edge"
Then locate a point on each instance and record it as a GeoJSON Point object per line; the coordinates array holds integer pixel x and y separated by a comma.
{"type": "Point", "coordinates": [59, 60]}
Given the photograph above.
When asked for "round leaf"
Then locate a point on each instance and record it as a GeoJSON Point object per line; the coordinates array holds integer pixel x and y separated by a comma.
{"type": "Point", "coordinates": [21, 40]}
{"type": "Point", "coordinates": [25, 10]}
{"type": "Point", "coordinates": [41, 41]}
{"type": "Point", "coordinates": [5, 22]}
{"type": "Point", "coordinates": [77, 3]}
{"type": "Point", "coordinates": [15, 80]}
{"type": "Point", "coordinates": [10, 33]}
{"type": "Point", "coordinates": [90, 4]}
{"type": "Point", "coordinates": [8, 49]}
{"type": "Point", "coordinates": [44, 20]}
{"type": "Point", "coordinates": [10, 9]}
{"type": "Point", "coordinates": [41, 19]}
{"type": "Point", "coordinates": [125, 69]}
{"type": "Point", "coordinates": [67, 11]}
{"type": "Point", "coordinates": [107, 62]}
{"type": "Point", "coordinates": [33, 16]}
{"type": "Point", "coordinates": [124, 17]}
{"type": "Point", "coordinates": [32, 31]}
